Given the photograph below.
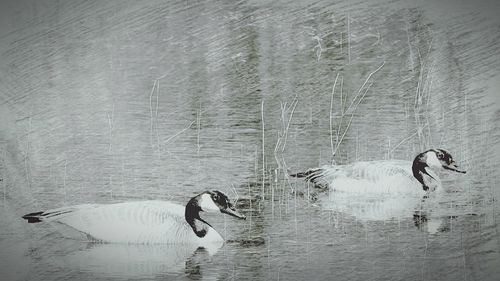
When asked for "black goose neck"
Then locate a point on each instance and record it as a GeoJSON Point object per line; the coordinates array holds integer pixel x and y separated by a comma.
{"type": "Point", "coordinates": [418, 169]}
{"type": "Point", "coordinates": [192, 214]}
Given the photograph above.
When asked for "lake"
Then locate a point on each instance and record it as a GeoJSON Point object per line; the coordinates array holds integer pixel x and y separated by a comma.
{"type": "Point", "coordinates": [112, 101]}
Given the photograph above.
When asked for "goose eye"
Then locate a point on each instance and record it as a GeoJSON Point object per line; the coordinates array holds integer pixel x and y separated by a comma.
{"type": "Point", "coordinates": [440, 156]}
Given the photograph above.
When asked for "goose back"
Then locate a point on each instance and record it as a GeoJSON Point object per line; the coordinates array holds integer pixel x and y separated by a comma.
{"type": "Point", "coordinates": [368, 176]}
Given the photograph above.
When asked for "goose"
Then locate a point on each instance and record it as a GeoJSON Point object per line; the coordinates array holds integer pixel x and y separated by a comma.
{"type": "Point", "coordinates": [144, 222]}
{"type": "Point", "coordinates": [386, 175]}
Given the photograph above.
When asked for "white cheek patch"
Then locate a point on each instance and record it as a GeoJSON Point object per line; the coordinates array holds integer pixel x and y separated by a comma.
{"type": "Point", "coordinates": [432, 160]}
{"type": "Point", "coordinates": [207, 204]}
{"type": "Point", "coordinates": [432, 180]}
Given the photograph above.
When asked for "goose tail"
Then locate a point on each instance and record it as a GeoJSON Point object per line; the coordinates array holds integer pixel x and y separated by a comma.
{"type": "Point", "coordinates": [314, 175]}
{"type": "Point", "coordinates": [55, 214]}
{"type": "Point", "coordinates": [33, 217]}
{"type": "Point", "coordinates": [51, 215]}
{"type": "Point", "coordinates": [305, 174]}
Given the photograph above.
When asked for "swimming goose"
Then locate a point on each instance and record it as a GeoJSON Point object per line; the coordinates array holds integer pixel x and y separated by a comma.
{"type": "Point", "coordinates": [388, 175]}
{"type": "Point", "coordinates": [144, 222]}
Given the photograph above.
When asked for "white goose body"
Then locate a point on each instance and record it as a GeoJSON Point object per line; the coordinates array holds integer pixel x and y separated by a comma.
{"type": "Point", "coordinates": [385, 175]}
{"type": "Point", "coordinates": [132, 222]}
{"type": "Point", "coordinates": [142, 222]}
{"type": "Point", "coordinates": [371, 176]}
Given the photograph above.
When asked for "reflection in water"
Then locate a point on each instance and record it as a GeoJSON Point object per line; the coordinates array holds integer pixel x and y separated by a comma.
{"type": "Point", "coordinates": [382, 207]}
{"type": "Point", "coordinates": [372, 207]}
{"type": "Point", "coordinates": [430, 212]}
{"type": "Point", "coordinates": [193, 268]}
{"type": "Point", "coordinates": [434, 225]}
{"type": "Point", "coordinates": [423, 223]}
{"type": "Point", "coordinates": [133, 261]}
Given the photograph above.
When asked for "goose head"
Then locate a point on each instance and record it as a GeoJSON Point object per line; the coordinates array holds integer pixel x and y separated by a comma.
{"type": "Point", "coordinates": [442, 158]}
{"type": "Point", "coordinates": [217, 201]}
{"type": "Point", "coordinates": [434, 159]}
{"type": "Point", "coordinates": [208, 201]}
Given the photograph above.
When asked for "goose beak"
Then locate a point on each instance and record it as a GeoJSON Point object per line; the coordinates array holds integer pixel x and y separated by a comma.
{"type": "Point", "coordinates": [454, 167]}
{"type": "Point", "coordinates": [232, 212]}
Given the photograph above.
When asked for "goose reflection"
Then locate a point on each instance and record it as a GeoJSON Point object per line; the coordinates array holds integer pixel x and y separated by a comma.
{"type": "Point", "coordinates": [372, 207]}
{"type": "Point", "coordinates": [424, 222]}
{"type": "Point", "coordinates": [133, 261]}
{"type": "Point", "coordinates": [425, 211]}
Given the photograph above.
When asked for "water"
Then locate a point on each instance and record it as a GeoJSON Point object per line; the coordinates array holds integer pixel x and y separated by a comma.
{"type": "Point", "coordinates": [120, 101]}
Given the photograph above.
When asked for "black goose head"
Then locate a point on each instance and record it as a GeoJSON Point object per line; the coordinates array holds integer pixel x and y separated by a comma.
{"type": "Point", "coordinates": [434, 158]}
{"type": "Point", "coordinates": [208, 201]}
{"type": "Point", "coordinates": [446, 161]}
{"type": "Point", "coordinates": [224, 204]}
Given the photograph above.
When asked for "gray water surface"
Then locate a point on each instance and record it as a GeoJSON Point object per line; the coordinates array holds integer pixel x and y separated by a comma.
{"type": "Point", "coordinates": [111, 101]}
